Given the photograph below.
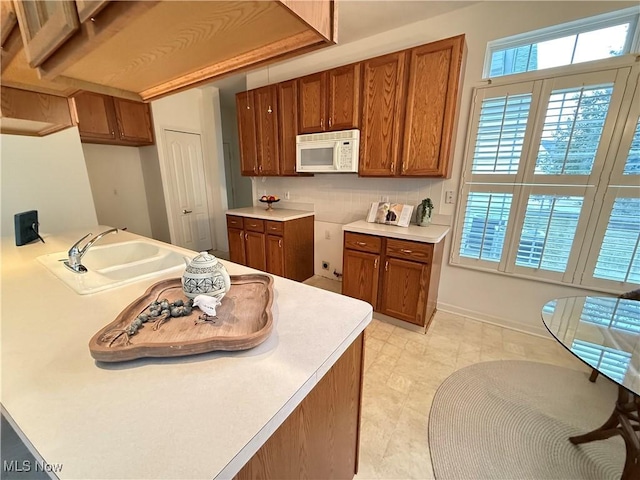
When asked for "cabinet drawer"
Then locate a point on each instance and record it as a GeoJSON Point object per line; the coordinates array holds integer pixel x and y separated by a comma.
{"type": "Point", "coordinates": [234, 222]}
{"type": "Point", "coordinates": [364, 243]}
{"type": "Point", "coordinates": [254, 225]}
{"type": "Point", "coordinates": [274, 228]}
{"type": "Point", "coordinates": [416, 251]}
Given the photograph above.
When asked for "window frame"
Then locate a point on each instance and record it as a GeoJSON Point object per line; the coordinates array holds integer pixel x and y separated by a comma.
{"type": "Point", "coordinates": [617, 134]}
{"type": "Point", "coordinates": [629, 15]}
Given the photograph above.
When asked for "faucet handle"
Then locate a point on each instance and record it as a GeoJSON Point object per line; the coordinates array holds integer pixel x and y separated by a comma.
{"type": "Point", "coordinates": [74, 247]}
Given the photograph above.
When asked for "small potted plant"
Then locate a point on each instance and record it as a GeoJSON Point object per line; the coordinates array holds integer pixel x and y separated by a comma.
{"type": "Point", "coordinates": [423, 214]}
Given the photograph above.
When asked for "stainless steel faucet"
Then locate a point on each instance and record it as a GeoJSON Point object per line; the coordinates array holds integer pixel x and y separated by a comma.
{"type": "Point", "coordinates": [74, 263]}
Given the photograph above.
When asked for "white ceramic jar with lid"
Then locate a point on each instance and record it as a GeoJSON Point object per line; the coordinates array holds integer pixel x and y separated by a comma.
{"type": "Point", "coordinates": [205, 275]}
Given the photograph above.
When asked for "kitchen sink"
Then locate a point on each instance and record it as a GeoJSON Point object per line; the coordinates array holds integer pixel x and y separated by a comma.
{"type": "Point", "coordinates": [115, 264]}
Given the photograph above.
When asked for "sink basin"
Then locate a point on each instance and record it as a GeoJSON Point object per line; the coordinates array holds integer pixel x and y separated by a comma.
{"type": "Point", "coordinates": [115, 264]}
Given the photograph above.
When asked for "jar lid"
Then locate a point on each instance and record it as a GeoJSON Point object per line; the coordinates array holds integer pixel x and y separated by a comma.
{"type": "Point", "coordinates": [203, 260]}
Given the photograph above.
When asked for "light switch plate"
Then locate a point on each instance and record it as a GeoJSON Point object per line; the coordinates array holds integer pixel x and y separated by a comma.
{"type": "Point", "coordinates": [24, 227]}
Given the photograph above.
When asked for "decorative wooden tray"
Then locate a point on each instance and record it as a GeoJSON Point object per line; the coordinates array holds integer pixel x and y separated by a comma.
{"type": "Point", "coordinates": [243, 321]}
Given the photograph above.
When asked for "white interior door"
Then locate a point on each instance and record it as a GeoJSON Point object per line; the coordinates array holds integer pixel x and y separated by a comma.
{"type": "Point", "coordinates": [188, 193]}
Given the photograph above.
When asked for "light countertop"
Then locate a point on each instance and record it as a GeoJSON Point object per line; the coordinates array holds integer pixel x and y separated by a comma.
{"type": "Point", "coordinates": [195, 417]}
{"type": "Point", "coordinates": [430, 234]}
{"type": "Point", "coordinates": [277, 214]}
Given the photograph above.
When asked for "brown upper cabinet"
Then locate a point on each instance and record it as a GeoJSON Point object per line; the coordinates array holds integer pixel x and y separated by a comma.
{"type": "Point", "coordinates": [411, 101]}
{"type": "Point", "coordinates": [247, 133]}
{"type": "Point", "coordinates": [144, 50]}
{"type": "Point", "coordinates": [266, 115]}
{"type": "Point", "coordinates": [330, 100]}
{"type": "Point", "coordinates": [288, 125]}
{"type": "Point", "coordinates": [115, 121]}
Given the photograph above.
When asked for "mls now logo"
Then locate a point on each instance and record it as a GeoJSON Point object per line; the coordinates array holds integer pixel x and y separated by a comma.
{"type": "Point", "coordinates": [29, 466]}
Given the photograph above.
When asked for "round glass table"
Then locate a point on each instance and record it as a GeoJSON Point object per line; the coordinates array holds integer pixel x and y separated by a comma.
{"type": "Point", "coordinates": [604, 332]}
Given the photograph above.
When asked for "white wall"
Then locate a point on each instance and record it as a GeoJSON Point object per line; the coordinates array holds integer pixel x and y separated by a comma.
{"type": "Point", "coordinates": [47, 174]}
{"type": "Point", "coordinates": [196, 111]}
{"type": "Point", "coordinates": [117, 185]}
{"type": "Point", "coordinates": [154, 192]}
{"type": "Point", "coordinates": [492, 297]}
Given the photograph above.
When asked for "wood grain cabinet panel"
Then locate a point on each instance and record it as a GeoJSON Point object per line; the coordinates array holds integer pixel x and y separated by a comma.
{"type": "Point", "coordinates": [236, 245]}
{"type": "Point", "coordinates": [23, 112]}
{"type": "Point", "coordinates": [344, 97]}
{"type": "Point", "coordinates": [96, 115]}
{"type": "Point", "coordinates": [280, 248]}
{"type": "Point", "coordinates": [431, 105]}
{"type": "Point", "coordinates": [113, 121]}
{"type": "Point", "coordinates": [312, 103]}
{"type": "Point", "coordinates": [288, 125]}
{"type": "Point", "coordinates": [255, 250]}
{"type": "Point", "coordinates": [401, 281]}
{"type": "Point", "coordinates": [247, 133]}
{"type": "Point", "coordinates": [320, 439]}
{"type": "Point", "coordinates": [45, 25]}
{"type": "Point", "coordinates": [382, 108]}
{"type": "Point", "coordinates": [266, 120]}
{"type": "Point", "coordinates": [404, 289]}
{"type": "Point", "coordinates": [134, 121]}
{"type": "Point", "coordinates": [360, 275]}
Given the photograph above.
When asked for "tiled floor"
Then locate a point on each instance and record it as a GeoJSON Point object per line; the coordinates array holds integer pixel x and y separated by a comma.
{"type": "Point", "coordinates": [403, 370]}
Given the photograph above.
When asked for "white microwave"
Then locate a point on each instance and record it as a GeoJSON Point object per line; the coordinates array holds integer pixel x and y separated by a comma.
{"type": "Point", "coordinates": [331, 152]}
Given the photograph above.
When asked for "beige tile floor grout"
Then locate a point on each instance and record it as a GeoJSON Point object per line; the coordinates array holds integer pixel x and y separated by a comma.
{"type": "Point", "coordinates": [403, 370]}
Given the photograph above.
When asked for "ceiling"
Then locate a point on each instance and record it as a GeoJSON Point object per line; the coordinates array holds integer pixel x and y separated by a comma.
{"type": "Point", "coordinates": [362, 18]}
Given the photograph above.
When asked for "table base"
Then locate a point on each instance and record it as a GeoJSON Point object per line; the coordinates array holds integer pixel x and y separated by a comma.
{"type": "Point", "coordinates": [624, 421]}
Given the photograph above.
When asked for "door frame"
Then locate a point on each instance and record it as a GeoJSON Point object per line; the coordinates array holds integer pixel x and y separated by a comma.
{"type": "Point", "coordinates": [164, 169]}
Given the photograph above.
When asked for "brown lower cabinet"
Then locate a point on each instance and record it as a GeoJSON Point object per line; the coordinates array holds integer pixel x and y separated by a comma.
{"type": "Point", "coordinates": [320, 439]}
{"type": "Point", "coordinates": [398, 278]}
{"type": "Point", "coordinates": [283, 248]}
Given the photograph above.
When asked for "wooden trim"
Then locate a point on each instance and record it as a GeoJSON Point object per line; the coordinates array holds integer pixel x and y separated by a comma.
{"type": "Point", "coordinates": [318, 15]}
{"type": "Point", "coordinates": [8, 21]}
{"type": "Point", "coordinates": [59, 27]}
{"type": "Point", "coordinates": [285, 48]}
{"type": "Point", "coordinates": [113, 18]}
{"type": "Point", "coordinates": [11, 46]}
{"type": "Point", "coordinates": [97, 88]}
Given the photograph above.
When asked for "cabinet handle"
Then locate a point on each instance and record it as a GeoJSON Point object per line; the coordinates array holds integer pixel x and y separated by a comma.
{"type": "Point", "coordinates": [246, 236]}
{"type": "Point", "coordinates": [386, 266]}
{"type": "Point", "coordinates": [260, 168]}
{"type": "Point", "coordinates": [393, 167]}
{"type": "Point", "coordinates": [185, 211]}
{"type": "Point", "coordinates": [253, 225]}
{"type": "Point", "coordinates": [362, 244]}
{"type": "Point", "coordinates": [280, 243]}
{"type": "Point", "coordinates": [93, 19]}
{"type": "Point", "coordinates": [240, 235]}
{"type": "Point", "coordinates": [403, 250]}
{"type": "Point", "coordinates": [330, 122]}
{"type": "Point", "coordinates": [375, 264]}
{"type": "Point", "coordinates": [322, 123]}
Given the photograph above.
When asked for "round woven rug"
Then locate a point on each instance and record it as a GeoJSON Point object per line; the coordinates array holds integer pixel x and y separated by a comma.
{"type": "Point", "coordinates": [512, 420]}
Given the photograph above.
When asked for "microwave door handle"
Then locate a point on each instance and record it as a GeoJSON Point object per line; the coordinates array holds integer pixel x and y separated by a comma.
{"type": "Point", "coordinates": [336, 150]}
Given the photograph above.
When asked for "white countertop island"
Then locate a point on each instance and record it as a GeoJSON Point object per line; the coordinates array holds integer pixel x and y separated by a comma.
{"type": "Point", "coordinates": [430, 234]}
{"type": "Point", "coordinates": [192, 417]}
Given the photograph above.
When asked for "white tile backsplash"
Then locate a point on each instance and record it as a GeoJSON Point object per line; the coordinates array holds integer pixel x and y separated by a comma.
{"type": "Point", "coordinates": [344, 198]}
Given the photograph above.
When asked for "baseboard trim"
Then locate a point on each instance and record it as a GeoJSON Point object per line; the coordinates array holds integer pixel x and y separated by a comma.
{"type": "Point", "coordinates": [537, 330]}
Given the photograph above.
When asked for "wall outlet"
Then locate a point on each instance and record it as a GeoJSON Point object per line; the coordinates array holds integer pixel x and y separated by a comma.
{"type": "Point", "coordinates": [448, 196]}
{"type": "Point", "coordinates": [327, 235]}
{"type": "Point", "coordinates": [384, 198]}
{"type": "Point", "coordinates": [325, 265]}
{"type": "Point", "coordinates": [287, 196]}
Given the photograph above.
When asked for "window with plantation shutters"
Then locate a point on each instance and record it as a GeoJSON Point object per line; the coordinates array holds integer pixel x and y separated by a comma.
{"type": "Point", "coordinates": [550, 185]}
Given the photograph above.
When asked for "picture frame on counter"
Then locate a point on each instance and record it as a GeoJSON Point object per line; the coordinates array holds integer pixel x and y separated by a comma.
{"type": "Point", "coordinates": [388, 213]}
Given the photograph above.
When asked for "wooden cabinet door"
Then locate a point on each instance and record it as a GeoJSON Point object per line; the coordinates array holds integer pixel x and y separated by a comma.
{"type": "Point", "coordinates": [96, 117]}
{"type": "Point", "coordinates": [275, 255]}
{"type": "Point", "coordinates": [431, 103]}
{"type": "Point", "coordinates": [236, 246]}
{"type": "Point", "coordinates": [383, 103]}
{"type": "Point", "coordinates": [45, 25]}
{"type": "Point", "coordinates": [8, 20]}
{"type": "Point", "coordinates": [312, 103]}
{"type": "Point", "coordinates": [360, 275]}
{"type": "Point", "coordinates": [288, 125]}
{"type": "Point", "coordinates": [134, 121]}
{"type": "Point", "coordinates": [247, 133]}
{"type": "Point", "coordinates": [404, 288]}
{"type": "Point", "coordinates": [266, 117]}
{"type": "Point", "coordinates": [255, 251]}
{"type": "Point", "coordinates": [89, 8]}
{"type": "Point", "coordinates": [344, 97]}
